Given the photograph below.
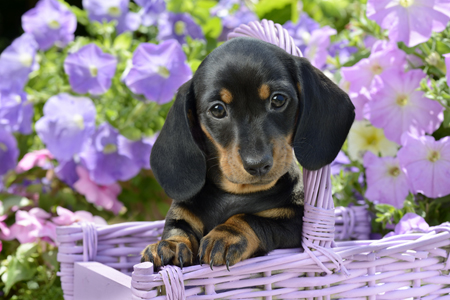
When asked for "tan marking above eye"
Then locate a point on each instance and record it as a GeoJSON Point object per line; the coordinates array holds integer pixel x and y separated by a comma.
{"type": "Point", "coordinates": [299, 88]}
{"type": "Point", "coordinates": [226, 96]}
{"type": "Point", "coordinates": [264, 91]}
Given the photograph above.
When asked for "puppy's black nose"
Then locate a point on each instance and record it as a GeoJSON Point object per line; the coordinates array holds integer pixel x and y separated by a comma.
{"type": "Point", "coordinates": [258, 167]}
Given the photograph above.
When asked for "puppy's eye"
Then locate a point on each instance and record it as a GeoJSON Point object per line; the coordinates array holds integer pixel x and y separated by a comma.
{"type": "Point", "coordinates": [218, 111]}
{"type": "Point", "coordinates": [278, 101]}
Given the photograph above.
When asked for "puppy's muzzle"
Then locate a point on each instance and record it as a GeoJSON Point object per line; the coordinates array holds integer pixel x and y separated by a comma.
{"type": "Point", "coordinates": [257, 166]}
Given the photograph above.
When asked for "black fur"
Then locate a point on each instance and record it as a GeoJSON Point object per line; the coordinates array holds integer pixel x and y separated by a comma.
{"type": "Point", "coordinates": [218, 222]}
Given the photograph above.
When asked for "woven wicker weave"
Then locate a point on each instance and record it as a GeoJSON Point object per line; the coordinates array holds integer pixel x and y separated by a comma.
{"type": "Point", "coordinates": [119, 246]}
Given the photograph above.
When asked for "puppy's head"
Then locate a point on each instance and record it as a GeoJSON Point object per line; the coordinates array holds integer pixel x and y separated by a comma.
{"type": "Point", "coordinates": [247, 107]}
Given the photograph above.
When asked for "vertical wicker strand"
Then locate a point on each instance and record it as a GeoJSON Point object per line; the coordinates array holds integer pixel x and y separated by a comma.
{"type": "Point", "coordinates": [268, 287]}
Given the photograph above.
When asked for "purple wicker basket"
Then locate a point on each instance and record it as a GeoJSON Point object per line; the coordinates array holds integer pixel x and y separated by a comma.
{"type": "Point", "coordinates": [409, 266]}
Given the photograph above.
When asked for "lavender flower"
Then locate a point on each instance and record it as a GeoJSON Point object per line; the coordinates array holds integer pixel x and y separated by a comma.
{"type": "Point", "coordinates": [15, 112]}
{"type": "Point", "coordinates": [301, 31]}
{"type": "Point", "coordinates": [178, 26]}
{"type": "Point", "coordinates": [108, 157]}
{"type": "Point", "coordinates": [8, 152]}
{"type": "Point", "coordinates": [90, 70]}
{"type": "Point", "coordinates": [66, 171]}
{"type": "Point", "coordinates": [151, 10]}
{"type": "Point", "coordinates": [342, 50]}
{"type": "Point", "coordinates": [386, 180]}
{"type": "Point", "coordinates": [410, 21]}
{"type": "Point", "coordinates": [112, 10]}
{"type": "Point", "coordinates": [427, 163]}
{"type": "Point", "coordinates": [51, 23]}
{"type": "Point", "coordinates": [16, 63]}
{"type": "Point", "coordinates": [67, 123]}
{"type": "Point", "coordinates": [397, 106]}
{"type": "Point", "coordinates": [232, 18]}
{"type": "Point", "coordinates": [410, 223]}
{"type": "Point", "coordinates": [384, 58]}
{"type": "Point", "coordinates": [316, 49]}
{"type": "Point", "coordinates": [158, 71]}
{"type": "Point", "coordinates": [339, 163]}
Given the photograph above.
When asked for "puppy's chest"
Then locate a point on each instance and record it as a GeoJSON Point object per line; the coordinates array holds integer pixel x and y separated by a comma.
{"type": "Point", "coordinates": [215, 207]}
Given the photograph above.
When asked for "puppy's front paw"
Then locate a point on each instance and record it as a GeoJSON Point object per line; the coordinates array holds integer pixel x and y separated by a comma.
{"type": "Point", "coordinates": [226, 245]}
{"type": "Point", "coordinates": [168, 252]}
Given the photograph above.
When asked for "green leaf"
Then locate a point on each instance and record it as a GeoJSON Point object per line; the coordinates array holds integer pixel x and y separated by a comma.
{"type": "Point", "coordinates": [213, 28]}
{"type": "Point", "coordinates": [21, 267]}
{"type": "Point", "coordinates": [446, 122]}
{"type": "Point", "coordinates": [123, 41]}
{"type": "Point", "coordinates": [278, 11]}
{"type": "Point", "coordinates": [13, 201]}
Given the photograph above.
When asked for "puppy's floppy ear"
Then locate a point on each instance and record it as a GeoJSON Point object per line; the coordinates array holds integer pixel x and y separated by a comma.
{"type": "Point", "coordinates": [177, 162]}
{"type": "Point", "coordinates": [325, 117]}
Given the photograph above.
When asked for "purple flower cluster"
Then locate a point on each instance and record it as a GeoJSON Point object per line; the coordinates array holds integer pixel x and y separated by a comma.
{"type": "Point", "coordinates": [157, 71]}
{"type": "Point", "coordinates": [90, 70]}
{"type": "Point", "coordinates": [386, 92]}
{"type": "Point", "coordinates": [410, 21]}
{"type": "Point", "coordinates": [314, 42]}
{"type": "Point", "coordinates": [151, 10]}
{"type": "Point", "coordinates": [178, 26]}
{"type": "Point", "coordinates": [231, 17]}
{"type": "Point", "coordinates": [69, 132]}
{"type": "Point", "coordinates": [112, 10]}
{"type": "Point", "coordinates": [51, 23]}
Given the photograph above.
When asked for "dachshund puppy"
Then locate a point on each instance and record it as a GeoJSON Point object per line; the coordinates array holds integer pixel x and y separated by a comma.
{"type": "Point", "coordinates": [226, 153]}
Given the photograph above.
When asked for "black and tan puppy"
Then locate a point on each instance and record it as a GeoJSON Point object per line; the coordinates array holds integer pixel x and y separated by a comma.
{"type": "Point", "coordinates": [226, 153]}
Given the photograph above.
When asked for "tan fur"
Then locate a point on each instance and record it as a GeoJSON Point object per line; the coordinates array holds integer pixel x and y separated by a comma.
{"type": "Point", "coordinates": [226, 96]}
{"type": "Point", "coordinates": [277, 213]}
{"type": "Point", "coordinates": [245, 231]}
{"type": "Point", "coordinates": [264, 91]}
{"type": "Point", "coordinates": [180, 213]}
{"type": "Point", "coordinates": [237, 181]}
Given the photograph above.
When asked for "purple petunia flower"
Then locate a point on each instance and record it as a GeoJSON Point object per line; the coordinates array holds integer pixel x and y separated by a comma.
{"type": "Point", "coordinates": [384, 58]}
{"type": "Point", "coordinates": [16, 63]}
{"type": "Point", "coordinates": [339, 163]}
{"type": "Point", "coordinates": [427, 163]}
{"type": "Point", "coordinates": [342, 50]}
{"type": "Point", "coordinates": [110, 157]}
{"type": "Point", "coordinates": [110, 10]}
{"type": "Point", "coordinates": [15, 112]}
{"type": "Point", "coordinates": [316, 49]}
{"type": "Point", "coordinates": [232, 17]}
{"type": "Point", "coordinates": [8, 152]}
{"type": "Point", "coordinates": [301, 31]}
{"type": "Point", "coordinates": [67, 123]}
{"type": "Point", "coordinates": [398, 107]}
{"type": "Point", "coordinates": [178, 26]}
{"type": "Point", "coordinates": [66, 171]}
{"type": "Point", "coordinates": [410, 21]}
{"type": "Point", "coordinates": [386, 181]}
{"type": "Point", "coordinates": [51, 23]}
{"type": "Point", "coordinates": [157, 71]}
{"type": "Point", "coordinates": [90, 70]}
{"type": "Point", "coordinates": [410, 223]}
{"type": "Point", "coordinates": [151, 10]}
